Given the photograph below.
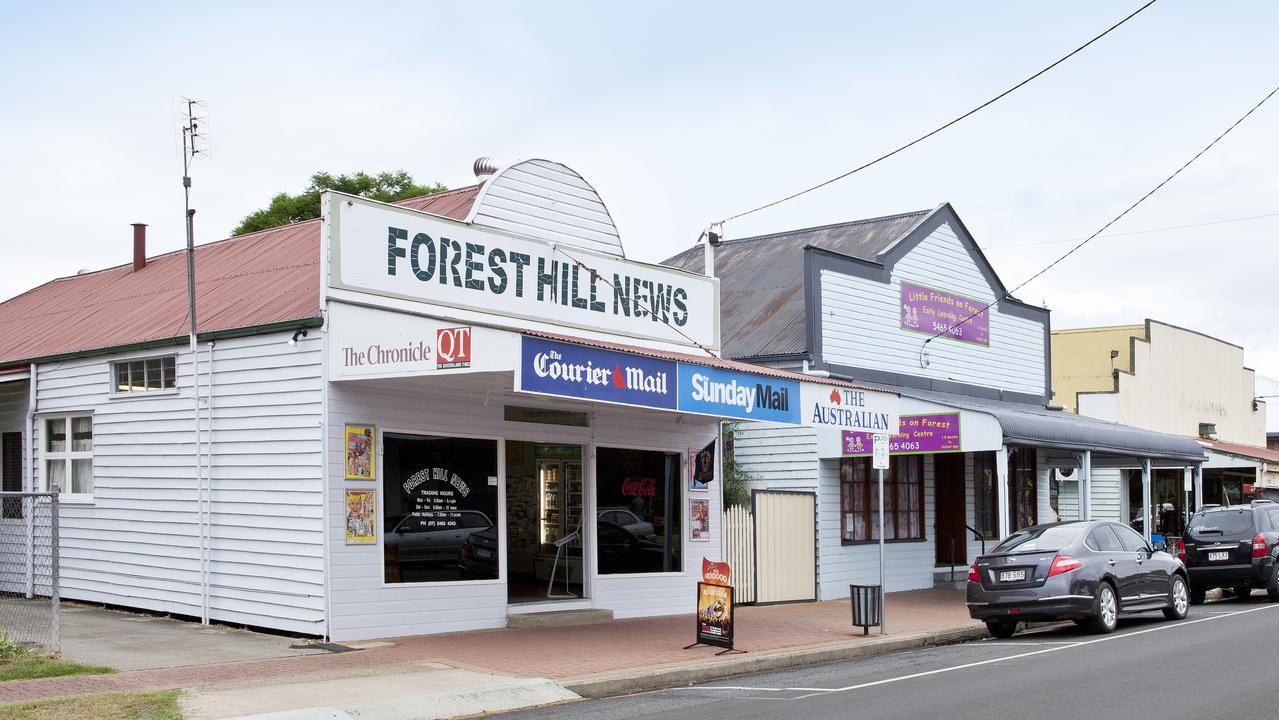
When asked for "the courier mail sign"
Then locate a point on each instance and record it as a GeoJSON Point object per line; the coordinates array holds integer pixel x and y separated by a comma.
{"type": "Point", "coordinates": [400, 253]}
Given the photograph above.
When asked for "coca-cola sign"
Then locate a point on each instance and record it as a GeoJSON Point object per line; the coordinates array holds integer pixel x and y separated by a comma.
{"type": "Point", "coordinates": [639, 487]}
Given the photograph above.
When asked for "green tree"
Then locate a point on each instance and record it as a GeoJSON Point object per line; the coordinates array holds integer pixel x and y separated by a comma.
{"type": "Point", "coordinates": [286, 209]}
{"type": "Point", "coordinates": [735, 478]}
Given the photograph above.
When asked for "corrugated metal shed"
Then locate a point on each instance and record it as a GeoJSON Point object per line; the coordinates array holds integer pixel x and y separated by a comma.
{"type": "Point", "coordinates": [261, 279]}
{"type": "Point", "coordinates": [762, 310]}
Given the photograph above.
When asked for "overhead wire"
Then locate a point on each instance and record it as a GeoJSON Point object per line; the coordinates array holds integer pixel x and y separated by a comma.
{"type": "Point", "coordinates": [933, 132]}
{"type": "Point", "coordinates": [1134, 232]}
{"type": "Point", "coordinates": [1103, 228]}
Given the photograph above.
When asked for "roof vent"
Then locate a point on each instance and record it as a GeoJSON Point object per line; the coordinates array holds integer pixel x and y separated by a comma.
{"type": "Point", "coordinates": [1208, 431]}
{"type": "Point", "coordinates": [484, 167]}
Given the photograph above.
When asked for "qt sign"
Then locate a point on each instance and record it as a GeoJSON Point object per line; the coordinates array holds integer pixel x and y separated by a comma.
{"type": "Point", "coordinates": [452, 348]}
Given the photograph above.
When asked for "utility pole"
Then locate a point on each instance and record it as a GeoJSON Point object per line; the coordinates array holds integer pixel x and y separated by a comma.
{"type": "Point", "coordinates": [192, 114]}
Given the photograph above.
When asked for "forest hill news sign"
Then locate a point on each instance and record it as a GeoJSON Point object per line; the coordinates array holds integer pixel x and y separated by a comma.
{"type": "Point", "coordinates": [401, 253]}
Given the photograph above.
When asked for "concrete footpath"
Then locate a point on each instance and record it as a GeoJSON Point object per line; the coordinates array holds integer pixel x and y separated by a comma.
{"type": "Point", "coordinates": [440, 676]}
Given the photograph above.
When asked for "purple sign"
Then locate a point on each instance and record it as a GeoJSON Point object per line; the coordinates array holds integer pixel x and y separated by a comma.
{"type": "Point", "coordinates": [936, 311]}
{"type": "Point", "coordinates": [919, 434]}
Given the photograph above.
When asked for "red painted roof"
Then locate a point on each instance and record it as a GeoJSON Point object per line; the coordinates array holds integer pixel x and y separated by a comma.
{"type": "Point", "coordinates": [1252, 451]}
{"type": "Point", "coordinates": [263, 278]}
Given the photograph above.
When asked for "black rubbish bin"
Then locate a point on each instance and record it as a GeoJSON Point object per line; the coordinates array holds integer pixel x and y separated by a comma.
{"type": "Point", "coordinates": [866, 606]}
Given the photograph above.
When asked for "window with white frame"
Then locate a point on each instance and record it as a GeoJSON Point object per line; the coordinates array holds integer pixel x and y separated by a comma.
{"type": "Point", "coordinates": [68, 454]}
{"type": "Point", "coordinates": [154, 374]}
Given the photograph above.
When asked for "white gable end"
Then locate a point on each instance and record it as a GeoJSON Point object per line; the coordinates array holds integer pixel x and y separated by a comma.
{"type": "Point", "coordinates": [861, 323]}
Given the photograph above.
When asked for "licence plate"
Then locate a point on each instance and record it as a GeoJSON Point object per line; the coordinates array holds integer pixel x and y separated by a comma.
{"type": "Point", "coordinates": [483, 554]}
{"type": "Point", "coordinates": [1222, 555]}
{"type": "Point", "coordinates": [1012, 575]}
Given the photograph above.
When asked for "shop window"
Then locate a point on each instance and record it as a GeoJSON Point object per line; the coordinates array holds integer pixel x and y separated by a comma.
{"type": "Point", "coordinates": [11, 472]}
{"type": "Point", "coordinates": [903, 499]}
{"type": "Point", "coordinates": [439, 509]}
{"type": "Point", "coordinates": [1024, 495]}
{"type": "Point", "coordinates": [68, 456]}
{"type": "Point", "coordinates": [985, 495]}
{"type": "Point", "coordinates": [145, 375]}
{"type": "Point", "coordinates": [639, 507]}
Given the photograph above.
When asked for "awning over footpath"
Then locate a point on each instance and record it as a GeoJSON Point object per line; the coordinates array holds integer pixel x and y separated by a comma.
{"type": "Point", "coordinates": [1036, 425]}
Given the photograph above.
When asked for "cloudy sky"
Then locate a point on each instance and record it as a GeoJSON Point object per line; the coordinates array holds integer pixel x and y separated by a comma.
{"type": "Point", "coordinates": [680, 115]}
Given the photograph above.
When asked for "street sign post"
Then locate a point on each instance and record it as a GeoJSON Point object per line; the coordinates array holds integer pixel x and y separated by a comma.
{"type": "Point", "coordinates": [879, 461]}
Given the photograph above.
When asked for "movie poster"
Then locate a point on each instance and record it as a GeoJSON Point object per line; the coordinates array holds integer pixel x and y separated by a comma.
{"type": "Point", "coordinates": [699, 519]}
{"type": "Point", "coordinates": [715, 615]}
{"type": "Point", "coordinates": [361, 517]}
{"type": "Point", "coordinates": [359, 452]}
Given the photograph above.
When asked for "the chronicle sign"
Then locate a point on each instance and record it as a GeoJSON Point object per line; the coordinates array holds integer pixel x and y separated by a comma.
{"type": "Point", "coordinates": [410, 255]}
{"type": "Point", "coordinates": [369, 343]}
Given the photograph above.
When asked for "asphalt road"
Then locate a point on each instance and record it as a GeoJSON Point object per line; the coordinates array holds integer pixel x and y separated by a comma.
{"type": "Point", "coordinates": [1220, 662]}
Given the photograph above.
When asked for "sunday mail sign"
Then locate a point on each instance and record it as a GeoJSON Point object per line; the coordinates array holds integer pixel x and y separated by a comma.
{"type": "Point", "coordinates": [400, 253]}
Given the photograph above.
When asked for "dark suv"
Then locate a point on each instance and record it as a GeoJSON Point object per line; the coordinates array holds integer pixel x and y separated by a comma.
{"type": "Point", "coordinates": [1232, 547]}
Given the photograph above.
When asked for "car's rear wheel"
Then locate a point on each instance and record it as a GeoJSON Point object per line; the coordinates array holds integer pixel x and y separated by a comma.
{"type": "Point", "coordinates": [1002, 629]}
{"type": "Point", "coordinates": [1105, 616]}
{"type": "Point", "coordinates": [1197, 597]}
{"type": "Point", "coordinates": [1272, 587]}
{"type": "Point", "coordinates": [1243, 592]}
{"type": "Point", "coordinates": [1178, 599]}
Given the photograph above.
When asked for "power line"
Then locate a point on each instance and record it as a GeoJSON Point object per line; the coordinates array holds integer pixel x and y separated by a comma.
{"type": "Point", "coordinates": [966, 115]}
{"type": "Point", "coordinates": [1135, 232]}
{"type": "Point", "coordinates": [1103, 228]}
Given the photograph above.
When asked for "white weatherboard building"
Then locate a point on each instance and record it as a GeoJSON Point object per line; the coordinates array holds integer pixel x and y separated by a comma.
{"type": "Point", "coordinates": [900, 303]}
{"type": "Point", "coordinates": [430, 416]}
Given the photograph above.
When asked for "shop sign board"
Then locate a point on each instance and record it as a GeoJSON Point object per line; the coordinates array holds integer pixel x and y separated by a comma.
{"type": "Point", "coordinates": [727, 393]}
{"type": "Point", "coordinates": [930, 311]}
{"type": "Point", "coordinates": [714, 615]}
{"type": "Point", "coordinates": [367, 343]}
{"type": "Point", "coordinates": [918, 434]}
{"type": "Point", "coordinates": [557, 368]}
{"type": "Point", "coordinates": [825, 406]}
{"type": "Point", "coordinates": [400, 253]}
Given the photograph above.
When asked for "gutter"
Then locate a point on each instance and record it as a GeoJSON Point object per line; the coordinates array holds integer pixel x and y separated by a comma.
{"type": "Point", "coordinates": [311, 322]}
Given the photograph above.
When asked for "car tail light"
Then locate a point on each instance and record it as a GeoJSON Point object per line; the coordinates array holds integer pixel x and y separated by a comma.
{"type": "Point", "coordinates": [972, 574]}
{"type": "Point", "coordinates": [1259, 546]}
{"type": "Point", "coordinates": [1181, 550]}
{"type": "Point", "coordinates": [1064, 564]}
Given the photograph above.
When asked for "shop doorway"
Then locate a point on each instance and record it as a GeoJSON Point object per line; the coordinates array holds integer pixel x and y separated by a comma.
{"type": "Point", "coordinates": [950, 545]}
{"type": "Point", "coordinates": [544, 528]}
{"type": "Point", "coordinates": [1168, 502]}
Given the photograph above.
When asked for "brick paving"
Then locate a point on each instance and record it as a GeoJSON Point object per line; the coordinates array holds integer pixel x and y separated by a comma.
{"type": "Point", "coordinates": [556, 653]}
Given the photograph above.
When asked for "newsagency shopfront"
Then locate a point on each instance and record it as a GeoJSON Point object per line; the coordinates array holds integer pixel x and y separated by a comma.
{"type": "Point", "coordinates": [514, 425]}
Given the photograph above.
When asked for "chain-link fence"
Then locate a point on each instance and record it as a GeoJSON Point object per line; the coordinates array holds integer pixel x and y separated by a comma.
{"type": "Point", "coordinates": [29, 569]}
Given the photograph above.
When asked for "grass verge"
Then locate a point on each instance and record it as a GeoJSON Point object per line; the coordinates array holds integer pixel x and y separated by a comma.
{"type": "Point", "coordinates": [19, 663]}
{"type": "Point", "coordinates": [126, 706]}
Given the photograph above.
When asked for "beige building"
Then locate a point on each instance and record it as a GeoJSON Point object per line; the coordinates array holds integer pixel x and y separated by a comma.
{"type": "Point", "coordinates": [1166, 378]}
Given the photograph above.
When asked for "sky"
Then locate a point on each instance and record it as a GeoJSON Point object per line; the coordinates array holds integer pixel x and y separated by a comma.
{"type": "Point", "coordinates": [681, 114]}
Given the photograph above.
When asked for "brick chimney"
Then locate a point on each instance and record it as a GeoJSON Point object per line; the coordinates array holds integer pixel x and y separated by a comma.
{"type": "Point", "coordinates": [139, 246]}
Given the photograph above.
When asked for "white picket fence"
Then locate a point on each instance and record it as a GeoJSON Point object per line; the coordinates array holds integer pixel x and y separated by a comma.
{"type": "Point", "coordinates": [739, 551]}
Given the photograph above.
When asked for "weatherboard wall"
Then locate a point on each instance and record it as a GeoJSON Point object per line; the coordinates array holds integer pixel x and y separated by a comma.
{"type": "Point", "coordinates": [137, 543]}
{"type": "Point", "coordinates": [860, 323]}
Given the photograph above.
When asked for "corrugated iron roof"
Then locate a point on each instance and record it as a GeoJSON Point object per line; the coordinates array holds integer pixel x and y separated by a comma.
{"type": "Point", "coordinates": [1036, 425]}
{"type": "Point", "coordinates": [1248, 451]}
{"type": "Point", "coordinates": [705, 360]}
{"type": "Point", "coordinates": [260, 279]}
{"type": "Point", "coordinates": [762, 310]}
